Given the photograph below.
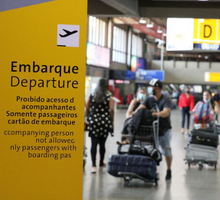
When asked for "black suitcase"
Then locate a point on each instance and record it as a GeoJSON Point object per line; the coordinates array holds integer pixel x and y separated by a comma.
{"type": "Point", "coordinates": [141, 166]}
{"type": "Point", "coordinates": [204, 138]}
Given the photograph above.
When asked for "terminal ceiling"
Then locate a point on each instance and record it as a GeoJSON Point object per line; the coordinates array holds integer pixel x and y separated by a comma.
{"type": "Point", "coordinates": [155, 8]}
{"type": "Point", "coordinates": [130, 11]}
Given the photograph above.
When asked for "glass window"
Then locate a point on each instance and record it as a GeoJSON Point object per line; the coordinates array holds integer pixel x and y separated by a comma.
{"type": "Point", "coordinates": [137, 46]}
{"type": "Point", "coordinates": [97, 31]}
{"type": "Point", "coordinates": [109, 34]}
{"type": "Point", "coordinates": [129, 48]}
{"type": "Point", "coordinates": [119, 45]}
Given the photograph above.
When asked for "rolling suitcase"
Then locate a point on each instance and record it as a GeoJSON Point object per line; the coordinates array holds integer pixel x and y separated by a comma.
{"type": "Point", "coordinates": [204, 138]}
{"type": "Point", "coordinates": [133, 166]}
{"type": "Point", "coordinates": [200, 154]}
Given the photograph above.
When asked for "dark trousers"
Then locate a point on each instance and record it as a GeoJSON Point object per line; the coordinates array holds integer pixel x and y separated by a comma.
{"type": "Point", "coordinates": [95, 141]}
{"type": "Point", "coordinates": [185, 112]}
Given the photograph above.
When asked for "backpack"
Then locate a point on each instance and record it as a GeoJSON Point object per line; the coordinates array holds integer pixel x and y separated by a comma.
{"type": "Point", "coordinates": [203, 114]}
{"type": "Point", "coordinates": [142, 117]}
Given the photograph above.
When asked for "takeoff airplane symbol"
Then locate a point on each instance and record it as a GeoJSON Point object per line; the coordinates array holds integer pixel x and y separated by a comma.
{"type": "Point", "coordinates": [68, 33]}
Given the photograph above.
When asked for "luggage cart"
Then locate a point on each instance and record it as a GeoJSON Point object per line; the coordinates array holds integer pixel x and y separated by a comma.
{"type": "Point", "coordinates": [145, 135]}
{"type": "Point", "coordinates": [193, 160]}
{"type": "Point", "coordinates": [211, 158]}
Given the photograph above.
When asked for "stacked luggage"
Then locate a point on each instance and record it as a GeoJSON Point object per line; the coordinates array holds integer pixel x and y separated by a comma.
{"type": "Point", "coordinates": [202, 147]}
{"type": "Point", "coordinates": [140, 156]}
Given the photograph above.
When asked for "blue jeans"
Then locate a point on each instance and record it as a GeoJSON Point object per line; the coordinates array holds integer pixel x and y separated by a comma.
{"type": "Point", "coordinates": [165, 143]}
{"type": "Point", "coordinates": [185, 112]}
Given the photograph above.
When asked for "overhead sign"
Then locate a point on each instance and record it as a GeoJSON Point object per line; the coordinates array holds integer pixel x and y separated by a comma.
{"type": "Point", "coordinates": [207, 31]}
{"type": "Point", "coordinates": [205, 46]}
{"type": "Point", "coordinates": [129, 75]}
{"type": "Point", "coordinates": [212, 77]}
{"type": "Point", "coordinates": [42, 84]}
{"type": "Point", "coordinates": [179, 34]}
{"type": "Point", "coordinates": [147, 75]}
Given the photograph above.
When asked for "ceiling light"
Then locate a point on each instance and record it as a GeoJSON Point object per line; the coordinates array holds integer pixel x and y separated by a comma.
{"type": "Point", "coordinates": [151, 25]}
{"type": "Point", "coordinates": [142, 21]}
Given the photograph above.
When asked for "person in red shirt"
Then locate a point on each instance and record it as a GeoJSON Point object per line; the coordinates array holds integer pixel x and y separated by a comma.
{"type": "Point", "coordinates": [186, 105]}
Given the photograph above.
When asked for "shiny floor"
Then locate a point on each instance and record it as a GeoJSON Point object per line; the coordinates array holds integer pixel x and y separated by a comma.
{"type": "Point", "coordinates": [186, 184]}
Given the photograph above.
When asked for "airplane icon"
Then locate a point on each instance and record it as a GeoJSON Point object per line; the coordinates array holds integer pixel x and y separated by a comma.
{"type": "Point", "coordinates": [68, 33]}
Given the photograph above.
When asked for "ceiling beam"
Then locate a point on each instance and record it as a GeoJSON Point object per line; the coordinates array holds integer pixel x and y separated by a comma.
{"type": "Point", "coordinates": [127, 7]}
{"type": "Point", "coordinates": [191, 9]}
{"type": "Point", "coordinates": [98, 8]}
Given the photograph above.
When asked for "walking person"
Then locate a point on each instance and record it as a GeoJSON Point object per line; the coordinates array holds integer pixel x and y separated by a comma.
{"type": "Point", "coordinates": [186, 105]}
{"type": "Point", "coordinates": [165, 105]}
{"type": "Point", "coordinates": [100, 117]}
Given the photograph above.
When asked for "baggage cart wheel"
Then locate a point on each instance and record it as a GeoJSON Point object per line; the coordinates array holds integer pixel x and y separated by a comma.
{"type": "Point", "coordinates": [200, 167]}
{"type": "Point", "coordinates": [127, 181]}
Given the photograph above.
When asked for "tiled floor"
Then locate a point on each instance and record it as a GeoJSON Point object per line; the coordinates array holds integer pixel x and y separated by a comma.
{"type": "Point", "coordinates": [186, 184]}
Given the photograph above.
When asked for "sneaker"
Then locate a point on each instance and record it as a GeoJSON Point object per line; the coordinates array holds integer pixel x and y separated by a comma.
{"type": "Point", "coordinates": [103, 165]}
{"type": "Point", "coordinates": [168, 176]}
{"type": "Point", "coordinates": [93, 170]}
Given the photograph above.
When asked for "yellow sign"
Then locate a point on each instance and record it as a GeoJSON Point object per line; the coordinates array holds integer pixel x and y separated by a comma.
{"type": "Point", "coordinates": [43, 53]}
{"type": "Point", "coordinates": [206, 31]}
{"type": "Point", "coordinates": [212, 77]}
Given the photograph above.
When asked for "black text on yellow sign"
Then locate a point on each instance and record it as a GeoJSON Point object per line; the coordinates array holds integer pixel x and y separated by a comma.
{"type": "Point", "coordinates": [55, 82]}
{"type": "Point", "coordinates": [206, 31]}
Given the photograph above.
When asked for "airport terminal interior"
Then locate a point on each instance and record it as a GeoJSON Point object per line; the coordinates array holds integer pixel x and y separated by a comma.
{"type": "Point", "coordinates": [129, 43]}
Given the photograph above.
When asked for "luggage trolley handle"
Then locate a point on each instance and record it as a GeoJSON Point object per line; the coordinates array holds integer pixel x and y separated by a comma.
{"type": "Point", "coordinates": [214, 123]}
{"type": "Point", "coordinates": [156, 128]}
{"type": "Point", "coordinates": [156, 133]}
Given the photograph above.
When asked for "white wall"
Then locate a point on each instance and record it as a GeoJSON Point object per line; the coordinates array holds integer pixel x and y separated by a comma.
{"type": "Point", "coordinates": [186, 72]}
